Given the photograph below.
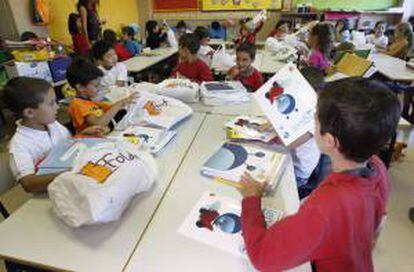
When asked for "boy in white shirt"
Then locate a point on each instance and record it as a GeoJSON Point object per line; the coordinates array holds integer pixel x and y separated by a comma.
{"type": "Point", "coordinates": [115, 73]}
{"type": "Point", "coordinates": [378, 38]}
{"type": "Point", "coordinates": [205, 53]}
{"type": "Point", "coordinates": [34, 100]}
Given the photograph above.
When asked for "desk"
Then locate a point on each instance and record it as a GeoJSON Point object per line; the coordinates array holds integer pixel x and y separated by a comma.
{"type": "Point", "coordinates": [393, 68]}
{"type": "Point", "coordinates": [35, 236]}
{"type": "Point", "coordinates": [140, 63]}
{"type": "Point", "coordinates": [163, 249]}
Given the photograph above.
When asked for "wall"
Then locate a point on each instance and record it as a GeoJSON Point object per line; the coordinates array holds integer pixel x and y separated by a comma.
{"type": "Point", "coordinates": [351, 4]}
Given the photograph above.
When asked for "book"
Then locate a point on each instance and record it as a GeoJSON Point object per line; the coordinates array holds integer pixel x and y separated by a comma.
{"type": "Point", "coordinates": [63, 156]}
{"type": "Point", "coordinates": [232, 160]}
{"type": "Point", "coordinates": [363, 53]}
{"type": "Point", "coordinates": [223, 93]}
{"type": "Point", "coordinates": [250, 128]}
{"type": "Point", "coordinates": [353, 65]}
{"type": "Point", "coordinates": [148, 138]}
{"type": "Point", "coordinates": [289, 102]}
{"type": "Point", "coordinates": [215, 221]}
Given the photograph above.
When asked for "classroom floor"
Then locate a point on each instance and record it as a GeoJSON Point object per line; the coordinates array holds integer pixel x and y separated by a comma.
{"type": "Point", "coordinates": [395, 246]}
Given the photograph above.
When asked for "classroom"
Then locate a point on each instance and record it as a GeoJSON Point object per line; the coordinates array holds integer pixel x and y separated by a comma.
{"type": "Point", "coordinates": [206, 135]}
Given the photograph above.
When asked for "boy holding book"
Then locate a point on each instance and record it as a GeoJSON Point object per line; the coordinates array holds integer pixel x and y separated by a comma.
{"type": "Point", "coordinates": [336, 227]}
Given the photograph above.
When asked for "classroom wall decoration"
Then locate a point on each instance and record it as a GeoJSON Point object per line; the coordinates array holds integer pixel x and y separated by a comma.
{"type": "Point", "coordinates": [219, 5]}
{"type": "Point", "coordinates": [350, 4]}
{"type": "Point", "coordinates": [175, 5]}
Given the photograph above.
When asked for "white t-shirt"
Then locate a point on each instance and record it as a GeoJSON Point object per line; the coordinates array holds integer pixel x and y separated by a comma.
{"type": "Point", "coordinates": [30, 146]}
{"type": "Point", "coordinates": [378, 41]}
{"type": "Point", "coordinates": [203, 54]}
{"type": "Point", "coordinates": [117, 73]}
{"type": "Point", "coordinates": [305, 158]}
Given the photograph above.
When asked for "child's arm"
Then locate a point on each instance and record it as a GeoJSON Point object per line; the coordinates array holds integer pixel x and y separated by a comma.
{"type": "Point", "coordinates": [37, 184]}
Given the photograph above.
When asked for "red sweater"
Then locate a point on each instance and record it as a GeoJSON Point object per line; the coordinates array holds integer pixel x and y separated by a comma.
{"type": "Point", "coordinates": [122, 52]}
{"type": "Point", "coordinates": [197, 71]}
{"type": "Point", "coordinates": [252, 82]}
{"type": "Point", "coordinates": [334, 228]}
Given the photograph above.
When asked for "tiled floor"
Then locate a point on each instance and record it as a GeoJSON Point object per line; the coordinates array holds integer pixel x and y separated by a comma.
{"type": "Point", "coordinates": [395, 247]}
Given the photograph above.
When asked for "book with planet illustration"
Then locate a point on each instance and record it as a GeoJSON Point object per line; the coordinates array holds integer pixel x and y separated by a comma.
{"type": "Point", "coordinates": [289, 103]}
{"type": "Point", "coordinates": [215, 221]}
{"type": "Point", "coordinates": [229, 163]}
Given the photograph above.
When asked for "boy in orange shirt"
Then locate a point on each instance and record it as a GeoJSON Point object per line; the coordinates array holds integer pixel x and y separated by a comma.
{"type": "Point", "coordinates": [84, 110]}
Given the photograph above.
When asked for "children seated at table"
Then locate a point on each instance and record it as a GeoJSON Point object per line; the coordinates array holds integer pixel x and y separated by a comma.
{"type": "Point", "coordinates": [79, 39]}
{"type": "Point", "coordinates": [190, 66]}
{"type": "Point", "coordinates": [37, 132]}
{"type": "Point", "coordinates": [321, 43]}
{"type": "Point", "coordinates": [205, 53]}
{"type": "Point", "coordinates": [281, 29]}
{"type": "Point", "coordinates": [84, 109]}
{"type": "Point", "coordinates": [403, 41]}
{"type": "Point", "coordinates": [337, 225]}
{"type": "Point", "coordinates": [378, 38]}
{"type": "Point", "coordinates": [155, 35]}
{"type": "Point", "coordinates": [343, 31]}
{"type": "Point", "coordinates": [122, 52]}
{"type": "Point", "coordinates": [114, 72]}
{"type": "Point", "coordinates": [243, 71]}
{"type": "Point", "coordinates": [129, 41]}
{"type": "Point", "coordinates": [248, 31]}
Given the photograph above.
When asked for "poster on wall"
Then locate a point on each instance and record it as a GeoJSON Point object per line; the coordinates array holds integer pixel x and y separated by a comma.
{"type": "Point", "coordinates": [218, 5]}
{"type": "Point", "coordinates": [175, 5]}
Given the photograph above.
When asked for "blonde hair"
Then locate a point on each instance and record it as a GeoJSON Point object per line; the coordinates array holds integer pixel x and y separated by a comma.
{"type": "Point", "coordinates": [405, 30]}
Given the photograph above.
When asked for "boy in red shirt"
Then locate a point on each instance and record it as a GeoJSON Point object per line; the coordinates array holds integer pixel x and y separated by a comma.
{"type": "Point", "coordinates": [336, 227]}
{"type": "Point", "coordinates": [190, 66]}
{"type": "Point", "coordinates": [243, 71]}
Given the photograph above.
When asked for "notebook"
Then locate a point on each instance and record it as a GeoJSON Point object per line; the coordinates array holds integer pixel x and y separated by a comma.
{"type": "Point", "coordinates": [250, 129]}
{"type": "Point", "coordinates": [216, 93]}
{"type": "Point", "coordinates": [353, 65]}
{"type": "Point", "coordinates": [289, 103]}
{"type": "Point", "coordinates": [215, 221]}
{"type": "Point", "coordinates": [232, 160]}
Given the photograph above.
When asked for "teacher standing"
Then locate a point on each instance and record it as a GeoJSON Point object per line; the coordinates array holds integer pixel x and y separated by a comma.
{"type": "Point", "coordinates": [91, 24]}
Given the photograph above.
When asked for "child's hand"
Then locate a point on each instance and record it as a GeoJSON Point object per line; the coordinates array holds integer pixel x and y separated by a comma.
{"type": "Point", "coordinates": [234, 72]}
{"type": "Point", "coordinates": [95, 130]}
{"type": "Point", "coordinates": [249, 187]}
{"type": "Point", "coordinates": [126, 101]}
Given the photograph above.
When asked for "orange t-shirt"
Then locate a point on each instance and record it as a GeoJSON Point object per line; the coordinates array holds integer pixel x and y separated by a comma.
{"type": "Point", "coordinates": [80, 108]}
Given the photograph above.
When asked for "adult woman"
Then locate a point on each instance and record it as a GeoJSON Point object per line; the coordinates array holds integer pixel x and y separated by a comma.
{"type": "Point", "coordinates": [91, 24]}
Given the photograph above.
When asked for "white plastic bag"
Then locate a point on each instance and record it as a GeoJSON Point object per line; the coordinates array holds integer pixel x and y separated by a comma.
{"type": "Point", "coordinates": [172, 40]}
{"type": "Point", "coordinates": [280, 50]}
{"type": "Point", "coordinates": [181, 89]}
{"type": "Point", "coordinates": [221, 60]}
{"type": "Point", "coordinates": [80, 200]}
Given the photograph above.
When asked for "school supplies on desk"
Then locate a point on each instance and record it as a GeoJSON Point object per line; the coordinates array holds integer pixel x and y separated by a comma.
{"type": "Point", "coordinates": [353, 65]}
{"type": "Point", "coordinates": [215, 221]}
{"type": "Point", "coordinates": [216, 93]}
{"type": "Point", "coordinates": [250, 128]}
{"type": "Point", "coordinates": [233, 160]}
{"type": "Point", "coordinates": [181, 89]}
{"type": "Point", "coordinates": [289, 103]}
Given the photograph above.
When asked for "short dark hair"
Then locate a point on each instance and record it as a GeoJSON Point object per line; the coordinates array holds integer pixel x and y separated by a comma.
{"type": "Point", "coordinates": [109, 36]}
{"type": "Point", "coordinates": [129, 31]}
{"type": "Point", "coordinates": [201, 32]}
{"type": "Point", "coordinates": [314, 76]}
{"type": "Point", "coordinates": [378, 23]}
{"type": "Point", "coordinates": [362, 114]}
{"type": "Point", "coordinates": [24, 92]}
{"type": "Point", "coordinates": [215, 25]}
{"type": "Point", "coordinates": [82, 71]}
{"type": "Point", "coordinates": [72, 24]}
{"type": "Point", "coordinates": [191, 42]}
{"type": "Point", "coordinates": [282, 22]}
{"type": "Point", "coordinates": [150, 26]}
{"type": "Point", "coordinates": [247, 48]}
{"type": "Point", "coordinates": [28, 35]}
{"type": "Point", "coordinates": [100, 48]}
{"type": "Point", "coordinates": [346, 22]}
{"type": "Point", "coordinates": [181, 24]}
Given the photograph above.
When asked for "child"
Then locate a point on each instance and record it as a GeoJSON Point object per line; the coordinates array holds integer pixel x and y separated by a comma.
{"type": "Point", "coordinates": [247, 32]}
{"type": "Point", "coordinates": [155, 36]}
{"type": "Point", "coordinates": [79, 39]}
{"type": "Point", "coordinates": [190, 66]}
{"type": "Point", "coordinates": [128, 37]}
{"type": "Point", "coordinates": [84, 77]}
{"type": "Point", "coordinates": [378, 38]}
{"type": "Point", "coordinates": [217, 31]}
{"type": "Point", "coordinates": [121, 51]}
{"type": "Point", "coordinates": [28, 36]}
{"type": "Point", "coordinates": [181, 29]}
{"type": "Point", "coordinates": [336, 227]}
{"type": "Point", "coordinates": [114, 72]}
{"type": "Point", "coordinates": [34, 100]}
{"type": "Point", "coordinates": [281, 30]}
{"type": "Point", "coordinates": [243, 71]}
{"type": "Point", "coordinates": [402, 43]}
{"type": "Point", "coordinates": [205, 53]}
{"type": "Point", "coordinates": [321, 43]}
{"type": "Point", "coordinates": [343, 33]}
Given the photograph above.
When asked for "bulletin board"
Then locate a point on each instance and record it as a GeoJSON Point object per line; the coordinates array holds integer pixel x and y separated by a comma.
{"type": "Point", "coordinates": [223, 5]}
{"type": "Point", "coordinates": [175, 5]}
{"type": "Point", "coordinates": [350, 4]}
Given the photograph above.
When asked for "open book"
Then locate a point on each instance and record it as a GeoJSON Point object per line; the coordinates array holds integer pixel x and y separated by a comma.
{"type": "Point", "coordinates": [233, 160]}
{"type": "Point", "coordinates": [250, 129]}
{"type": "Point", "coordinates": [353, 65]}
{"type": "Point", "coordinates": [289, 103]}
{"type": "Point", "coordinates": [215, 221]}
